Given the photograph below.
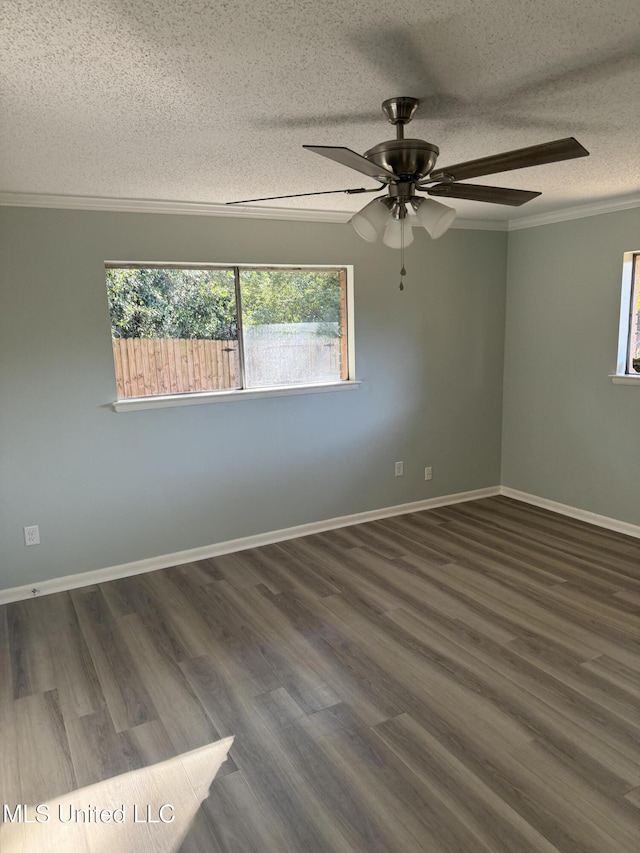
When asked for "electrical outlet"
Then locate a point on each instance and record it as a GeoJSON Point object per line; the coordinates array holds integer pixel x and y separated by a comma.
{"type": "Point", "coordinates": [428, 473]}
{"type": "Point", "coordinates": [32, 535]}
{"type": "Point", "coordinates": [399, 469]}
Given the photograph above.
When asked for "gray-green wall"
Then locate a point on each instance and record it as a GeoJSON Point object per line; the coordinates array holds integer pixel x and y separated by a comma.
{"type": "Point", "coordinates": [108, 488]}
{"type": "Point", "coordinates": [569, 434]}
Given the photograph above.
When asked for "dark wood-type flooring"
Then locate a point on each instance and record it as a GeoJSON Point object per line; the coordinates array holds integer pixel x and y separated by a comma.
{"type": "Point", "coordinates": [464, 679]}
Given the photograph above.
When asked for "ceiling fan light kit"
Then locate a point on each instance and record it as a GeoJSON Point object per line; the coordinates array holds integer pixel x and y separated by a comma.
{"type": "Point", "coordinates": [435, 218]}
{"type": "Point", "coordinates": [398, 233]}
{"type": "Point", "coordinates": [370, 222]}
{"type": "Point", "coordinates": [405, 167]}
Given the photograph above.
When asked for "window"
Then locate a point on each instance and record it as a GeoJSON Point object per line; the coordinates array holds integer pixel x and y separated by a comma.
{"type": "Point", "coordinates": [186, 329]}
{"type": "Point", "coordinates": [633, 355]}
{"type": "Point", "coordinates": [629, 337]}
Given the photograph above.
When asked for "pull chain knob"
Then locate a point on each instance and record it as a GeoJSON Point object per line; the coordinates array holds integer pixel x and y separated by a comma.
{"type": "Point", "coordinates": [403, 272]}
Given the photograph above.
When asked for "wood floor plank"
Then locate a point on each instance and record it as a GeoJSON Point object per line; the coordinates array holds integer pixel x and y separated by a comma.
{"type": "Point", "coordinates": [412, 589]}
{"type": "Point", "coordinates": [200, 836]}
{"type": "Point", "coordinates": [347, 669]}
{"type": "Point", "coordinates": [632, 599]}
{"type": "Point", "coordinates": [9, 765]}
{"type": "Point", "coordinates": [292, 671]}
{"type": "Point", "coordinates": [234, 570]}
{"type": "Point", "coordinates": [175, 624]}
{"type": "Point", "coordinates": [569, 530]}
{"type": "Point", "coordinates": [288, 625]}
{"type": "Point", "coordinates": [425, 678]}
{"type": "Point", "coordinates": [492, 822]}
{"type": "Point", "coordinates": [600, 691]}
{"type": "Point", "coordinates": [305, 747]}
{"type": "Point", "coordinates": [98, 751]}
{"type": "Point", "coordinates": [46, 767]}
{"type": "Point", "coordinates": [236, 819]}
{"type": "Point", "coordinates": [513, 611]}
{"type": "Point", "coordinates": [298, 821]}
{"type": "Point", "coordinates": [458, 680]}
{"type": "Point", "coordinates": [75, 674]}
{"type": "Point", "coordinates": [603, 748]}
{"type": "Point", "coordinates": [337, 564]}
{"type": "Point", "coordinates": [410, 823]}
{"type": "Point", "coordinates": [592, 814]}
{"type": "Point", "coordinates": [496, 553]}
{"type": "Point", "coordinates": [201, 572]}
{"type": "Point", "coordinates": [495, 672]}
{"type": "Point", "coordinates": [238, 637]}
{"type": "Point", "coordinates": [176, 704]}
{"type": "Point", "coordinates": [625, 677]}
{"type": "Point", "coordinates": [281, 571]}
{"type": "Point", "coordinates": [31, 660]}
{"type": "Point", "coordinates": [510, 778]}
{"type": "Point", "coordinates": [124, 693]}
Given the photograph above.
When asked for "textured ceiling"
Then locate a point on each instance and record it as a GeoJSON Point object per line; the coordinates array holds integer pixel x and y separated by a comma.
{"type": "Point", "coordinates": [205, 101]}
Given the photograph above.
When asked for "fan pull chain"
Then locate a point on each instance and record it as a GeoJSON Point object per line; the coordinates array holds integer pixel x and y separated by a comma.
{"type": "Point", "coordinates": [403, 271]}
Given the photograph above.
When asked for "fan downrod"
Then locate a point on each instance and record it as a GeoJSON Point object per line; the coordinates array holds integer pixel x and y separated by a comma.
{"type": "Point", "coordinates": [410, 160]}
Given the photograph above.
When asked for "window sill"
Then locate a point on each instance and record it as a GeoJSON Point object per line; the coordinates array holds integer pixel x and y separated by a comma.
{"type": "Point", "coordinates": [625, 379]}
{"type": "Point", "coordinates": [197, 399]}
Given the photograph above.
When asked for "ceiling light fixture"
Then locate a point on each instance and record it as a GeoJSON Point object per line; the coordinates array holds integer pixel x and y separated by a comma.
{"type": "Point", "coordinates": [398, 232]}
{"type": "Point", "coordinates": [405, 167]}
{"type": "Point", "coordinates": [386, 218]}
{"type": "Point", "coordinates": [370, 222]}
{"type": "Point", "coordinates": [435, 217]}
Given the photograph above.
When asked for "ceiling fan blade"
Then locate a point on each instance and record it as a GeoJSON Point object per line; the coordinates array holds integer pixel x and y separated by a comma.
{"type": "Point", "coordinates": [476, 192]}
{"type": "Point", "coordinates": [520, 158]}
{"type": "Point", "coordinates": [353, 160]}
{"type": "Point", "coordinates": [299, 195]}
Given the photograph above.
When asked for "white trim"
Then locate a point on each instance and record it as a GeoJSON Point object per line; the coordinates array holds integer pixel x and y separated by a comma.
{"type": "Point", "coordinates": [480, 224]}
{"type": "Point", "coordinates": [199, 398]}
{"type": "Point", "coordinates": [591, 209]}
{"type": "Point", "coordinates": [193, 208]}
{"type": "Point", "coordinates": [625, 527]}
{"type": "Point", "coordinates": [165, 561]}
{"type": "Point", "coordinates": [626, 319]}
{"type": "Point", "coordinates": [152, 205]}
{"type": "Point", "coordinates": [625, 379]}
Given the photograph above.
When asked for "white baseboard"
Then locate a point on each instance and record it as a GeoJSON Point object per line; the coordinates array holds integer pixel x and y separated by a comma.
{"type": "Point", "coordinates": [574, 512]}
{"type": "Point", "coordinates": [165, 561]}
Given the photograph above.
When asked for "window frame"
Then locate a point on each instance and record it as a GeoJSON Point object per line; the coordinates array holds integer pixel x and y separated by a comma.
{"type": "Point", "coordinates": [624, 374]}
{"type": "Point", "coordinates": [191, 398]}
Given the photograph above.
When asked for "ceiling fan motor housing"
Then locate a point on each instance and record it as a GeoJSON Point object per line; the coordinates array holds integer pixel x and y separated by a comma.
{"type": "Point", "coordinates": [408, 159]}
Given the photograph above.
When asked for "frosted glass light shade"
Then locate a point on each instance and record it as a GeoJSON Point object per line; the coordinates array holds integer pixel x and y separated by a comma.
{"type": "Point", "coordinates": [436, 218]}
{"type": "Point", "coordinates": [393, 233]}
{"type": "Point", "coordinates": [371, 220]}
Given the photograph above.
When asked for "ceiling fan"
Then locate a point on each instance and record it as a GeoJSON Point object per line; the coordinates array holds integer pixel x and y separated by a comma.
{"type": "Point", "coordinates": [405, 167]}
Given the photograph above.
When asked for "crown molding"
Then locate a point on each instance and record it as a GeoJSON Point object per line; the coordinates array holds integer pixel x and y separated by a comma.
{"type": "Point", "coordinates": [152, 205]}
{"type": "Point", "coordinates": [481, 224]}
{"type": "Point", "coordinates": [194, 208]}
{"type": "Point", "coordinates": [594, 208]}
{"type": "Point", "coordinates": [191, 208]}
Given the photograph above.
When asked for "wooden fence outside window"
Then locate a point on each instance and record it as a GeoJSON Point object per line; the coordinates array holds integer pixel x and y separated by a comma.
{"type": "Point", "coordinates": [153, 366]}
{"type": "Point", "coordinates": [147, 367]}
